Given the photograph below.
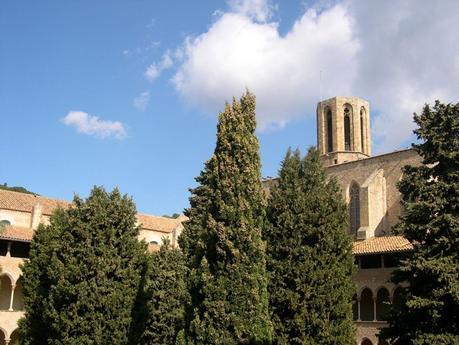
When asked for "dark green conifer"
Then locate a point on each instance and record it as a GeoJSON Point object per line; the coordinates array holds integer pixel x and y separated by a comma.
{"type": "Point", "coordinates": [166, 297]}
{"type": "Point", "coordinates": [222, 240]}
{"type": "Point", "coordinates": [82, 277]}
{"type": "Point", "coordinates": [429, 310]}
{"type": "Point", "coordinates": [309, 256]}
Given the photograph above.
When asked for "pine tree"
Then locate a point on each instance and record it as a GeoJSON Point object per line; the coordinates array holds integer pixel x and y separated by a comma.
{"type": "Point", "coordinates": [84, 270]}
{"type": "Point", "coordinates": [166, 296]}
{"type": "Point", "coordinates": [222, 239]}
{"type": "Point", "coordinates": [309, 256]}
{"type": "Point", "coordinates": [429, 310]}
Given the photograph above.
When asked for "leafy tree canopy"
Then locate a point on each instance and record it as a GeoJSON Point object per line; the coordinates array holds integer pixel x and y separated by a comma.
{"type": "Point", "coordinates": [83, 274]}
{"type": "Point", "coordinates": [429, 310]}
{"type": "Point", "coordinates": [222, 239]}
{"type": "Point", "coordinates": [309, 254]}
{"type": "Point", "coordinates": [165, 297]}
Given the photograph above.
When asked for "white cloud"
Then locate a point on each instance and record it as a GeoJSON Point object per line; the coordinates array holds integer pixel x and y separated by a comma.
{"type": "Point", "coordinates": [407, 59]}
{"type": "Point", "coordinates": [283, 71]}
{"type": "Point", "coordinates": [142, 100]}
{"type": "Point", "coordinates": [92, 125]}
{"type": "Point", "coordinates": [395, 55]}
{"type": "Point", "coordinates": [154, 70]}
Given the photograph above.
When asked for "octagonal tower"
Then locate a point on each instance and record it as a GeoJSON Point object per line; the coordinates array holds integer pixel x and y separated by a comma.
{"type": "Point", "coordinates": [343, 130]}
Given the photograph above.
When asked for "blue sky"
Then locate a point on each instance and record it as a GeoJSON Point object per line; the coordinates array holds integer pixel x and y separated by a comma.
{"type": "Point", "coordinates": [156, 73]}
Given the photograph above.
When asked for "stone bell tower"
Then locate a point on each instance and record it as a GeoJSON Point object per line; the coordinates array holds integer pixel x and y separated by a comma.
{"type": "Point", "coordinates": [343, 130]}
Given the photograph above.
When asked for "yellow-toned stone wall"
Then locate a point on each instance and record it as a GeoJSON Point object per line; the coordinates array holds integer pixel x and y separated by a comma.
{"type": "Point", "coordinates": [17, 218]}
{"type": "Point", "coordinates": [9, 322]}
{"type": "Point", "coordinates": [368, 330]}
{"type": "Point", "coordinates": [10, 266]}
{"type": "Point", "coordinates": [360, 171]}
{"type": "Point", "coordinates": [149, 236]}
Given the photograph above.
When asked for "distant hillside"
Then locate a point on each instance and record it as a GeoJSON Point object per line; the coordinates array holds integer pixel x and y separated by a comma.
{"type": "Point", "coordinates": [16, 189]}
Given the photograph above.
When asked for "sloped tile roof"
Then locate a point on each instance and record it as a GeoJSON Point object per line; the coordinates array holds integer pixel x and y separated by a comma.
{"type": "Point", "coordinates": [162, 224]}
{"type": "Point", "coordinates": [16, 233]}
{"type": "Point", "coordinates": [380, 245]}
{"type": "Point", "coordinates": [25, 202]}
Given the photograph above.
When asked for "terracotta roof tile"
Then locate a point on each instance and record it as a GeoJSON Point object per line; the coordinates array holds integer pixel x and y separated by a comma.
{"type": "Point", "coordinates": [25, 202]}
{"type": "Point", "coordinates": [379, 245]}
{"type": "Point", "coordinates": [162, 224]}
{"type": "Point", "coordinates": [16, 233]}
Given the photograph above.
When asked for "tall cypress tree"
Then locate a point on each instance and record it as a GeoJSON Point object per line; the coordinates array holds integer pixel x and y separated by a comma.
{"type": "Point", "coordinates": [309, 256]}
{"type": "Point", "coordinates": [222, 240]}
{"type": "Point", "coordinates": [429, 310]}
{"type": "Point", "coordinates": [165, 297]}
{"type": "Point", "coordinates": [81, 280]}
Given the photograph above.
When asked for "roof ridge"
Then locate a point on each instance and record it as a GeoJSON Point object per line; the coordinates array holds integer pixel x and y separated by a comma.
{"type": "Point", "coordinates": [34, 195]}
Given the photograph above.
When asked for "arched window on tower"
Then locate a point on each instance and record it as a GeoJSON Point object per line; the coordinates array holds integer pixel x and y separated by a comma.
{"type": "Point", "coordinates": [354, 208]}
{"type": "Point", "coordinates": [329, 131]}
{"type": "Point", "coordinates": [347, 127]}
{"type": "Point", "coordinates": [362, 129]}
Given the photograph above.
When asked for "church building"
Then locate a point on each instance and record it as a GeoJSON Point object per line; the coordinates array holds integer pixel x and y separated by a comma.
{"type": "Point", "coordinates": [369, 186]}
{"type": "Point", "coordinates": [368, 183]}
{"type": "Point", "coordinates": [20, 215]}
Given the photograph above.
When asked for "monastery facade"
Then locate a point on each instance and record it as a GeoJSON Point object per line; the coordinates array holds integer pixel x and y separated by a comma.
{"type": "Point", "coordinates": [368, 184]}
{"type": "Point", "coordinates": [21, 214]}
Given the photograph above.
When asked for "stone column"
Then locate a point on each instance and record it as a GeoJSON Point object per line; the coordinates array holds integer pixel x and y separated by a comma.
{"type": "Point", "coordinates": [8, 250]}
{"type": "Point", "coordinates": [374, 308]}
{"type": "Point", "coordinates": [13, 286]}
{"type": "Point", "coordinates": [358, 309]}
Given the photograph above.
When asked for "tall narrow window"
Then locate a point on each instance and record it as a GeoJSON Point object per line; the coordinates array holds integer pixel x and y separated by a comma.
{"type": "Point", "coordinates": [362, 140]}
{"type": "Point", "coordinates": [347, 129]}
{"type": "Point", "coordinates": [329, 131]}
{"type": "Point", "coordinates": [354, 208]}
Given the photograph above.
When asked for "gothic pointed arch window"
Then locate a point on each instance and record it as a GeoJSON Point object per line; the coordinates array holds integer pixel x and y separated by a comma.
{"type": "Point", "coordinates": [347, 127]}
{"type": "Point", "coordinates": [329, 131]}
{"type": "Point", "coordinates": [362, 129]}
{"type": "Point", "coordinates": [354, 208]}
